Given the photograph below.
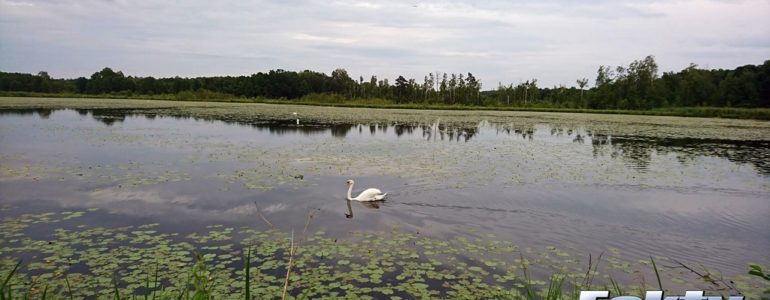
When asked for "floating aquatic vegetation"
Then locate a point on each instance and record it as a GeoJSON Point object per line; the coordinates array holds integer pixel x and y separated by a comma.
{"type": "Point", "coordinates": [87, 260]}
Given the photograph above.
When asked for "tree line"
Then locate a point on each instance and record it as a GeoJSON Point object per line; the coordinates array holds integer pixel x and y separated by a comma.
{"type": "Point", "coordinates": [640, 86]}
{"type": "Point", "coordinates": [635, 86]}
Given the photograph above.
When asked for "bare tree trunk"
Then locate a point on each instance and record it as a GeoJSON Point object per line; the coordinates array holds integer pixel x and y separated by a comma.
{"type": "Point", "coordinates": [525, 96]}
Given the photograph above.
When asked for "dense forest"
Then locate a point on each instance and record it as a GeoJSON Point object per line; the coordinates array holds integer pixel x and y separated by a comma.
{"type": "Point", "coordinates": [636, 86]}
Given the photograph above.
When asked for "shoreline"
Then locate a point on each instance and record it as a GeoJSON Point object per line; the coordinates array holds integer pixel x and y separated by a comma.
{"type": "Point", "coordinates": [697, 112]}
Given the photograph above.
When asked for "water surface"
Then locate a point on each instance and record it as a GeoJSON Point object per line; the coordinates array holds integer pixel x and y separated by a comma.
{"type": "Point", "coordinates": [682, 188]}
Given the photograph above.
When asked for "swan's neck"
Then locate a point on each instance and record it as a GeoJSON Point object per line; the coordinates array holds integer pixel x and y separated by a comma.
{"type": "Point", "coordinates": [350, 190]}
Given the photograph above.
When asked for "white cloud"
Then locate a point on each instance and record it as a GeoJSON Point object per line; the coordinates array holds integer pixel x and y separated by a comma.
{"type": "Point", "coordinates": [466, 54]}
{"type": "Point", "coordinates": [16, 3]}
{"type": "Point", "coordinates": [324, 39]}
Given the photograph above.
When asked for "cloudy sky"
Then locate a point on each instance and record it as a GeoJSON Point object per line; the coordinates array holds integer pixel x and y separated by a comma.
{"type": "Point", "coordinates": [555, 41]}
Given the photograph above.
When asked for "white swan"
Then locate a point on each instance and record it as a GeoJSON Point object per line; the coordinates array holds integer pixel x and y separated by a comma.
{"type": "Point", "coordinates": [367, 195]}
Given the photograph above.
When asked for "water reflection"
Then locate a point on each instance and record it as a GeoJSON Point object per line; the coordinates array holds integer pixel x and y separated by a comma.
{"type": "Point", "coordinates": [43, 113]}
{"type": "Point", "coordinates": [637, 151]}
{"type": "Point", "coordinates": [367, 204]}
{"type": "Point", "coordinates": [349, 214]}
{"type": "Point", "coordinates": [338, 130]}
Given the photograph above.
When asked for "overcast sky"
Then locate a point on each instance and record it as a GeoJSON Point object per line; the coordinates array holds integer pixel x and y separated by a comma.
{"type": "Point", "coordinates": [498, 41]}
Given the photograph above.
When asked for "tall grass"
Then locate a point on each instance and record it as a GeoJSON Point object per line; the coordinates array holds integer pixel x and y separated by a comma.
{"type": "Point", "coordinates": [657, 274]}
{"type": "Point", "coordinates": [246, 277]}
{"type": "Point", "coordinates": [199, 284]}
{"type": "Point", "coordinates": [6, 290]}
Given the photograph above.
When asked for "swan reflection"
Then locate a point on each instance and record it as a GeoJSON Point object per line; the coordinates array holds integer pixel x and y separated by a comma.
{"type": "Point", "coordinates": [370, 205]}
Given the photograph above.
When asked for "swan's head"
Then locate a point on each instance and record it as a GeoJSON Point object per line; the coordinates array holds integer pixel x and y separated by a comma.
{"type": "Point", "coordinates": [350, 182]}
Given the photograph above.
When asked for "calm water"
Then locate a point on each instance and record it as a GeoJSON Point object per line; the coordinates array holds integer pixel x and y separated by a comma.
{"type": "Point", "coordinates": [703, 200]}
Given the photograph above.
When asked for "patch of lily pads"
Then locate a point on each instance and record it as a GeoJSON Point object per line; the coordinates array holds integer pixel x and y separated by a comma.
{"type": "Point", "coordinates": [84, 261]}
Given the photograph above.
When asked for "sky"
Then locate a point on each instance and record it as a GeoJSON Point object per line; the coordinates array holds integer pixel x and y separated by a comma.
{"type": "Point", "coordinates": [554, 41]}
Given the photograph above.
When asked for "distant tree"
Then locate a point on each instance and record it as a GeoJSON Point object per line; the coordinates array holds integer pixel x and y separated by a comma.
{"type": "Point", "coordinates": [105, 81]}
{"type": "Point", "coordinates": [452, 85]}
{"type": "Point", "coordinates": [474, 87]}
{"type": "Point", "coordinates": [342, 81]}
{"type": "Point", "coordinates": [604, 79]}
{"type": "Point", "coordinates": [80, 85]}
{"type": "Point", "coordinates": [604, 76]}
{"type": "Point", "coordinates": [443, 88]}
{"type": "Point", "coordinates": [373, 87]}
{"type": "Point", "coordinates": [44, 75]}
{"type": "Point", "coordinates": [360, 87]}
{"type": "Point", "coordinates": [401, 88]}
{"type": "Point", "coordinates": [529, 87]}
{"type": "Point", "coordinates": [44, 82]}
{"type": "Point", "coordinates": [582, 83]}
{"type": "Point", "coordinates": [535, 89]}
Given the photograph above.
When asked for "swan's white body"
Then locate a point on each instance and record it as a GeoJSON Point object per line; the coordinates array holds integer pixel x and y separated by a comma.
{"type": "Point", "coordinates": [367, 195]}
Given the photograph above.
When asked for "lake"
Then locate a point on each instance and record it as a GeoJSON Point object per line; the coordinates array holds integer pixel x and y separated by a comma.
{"type": "Point", "coordinates": [98, 178]}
